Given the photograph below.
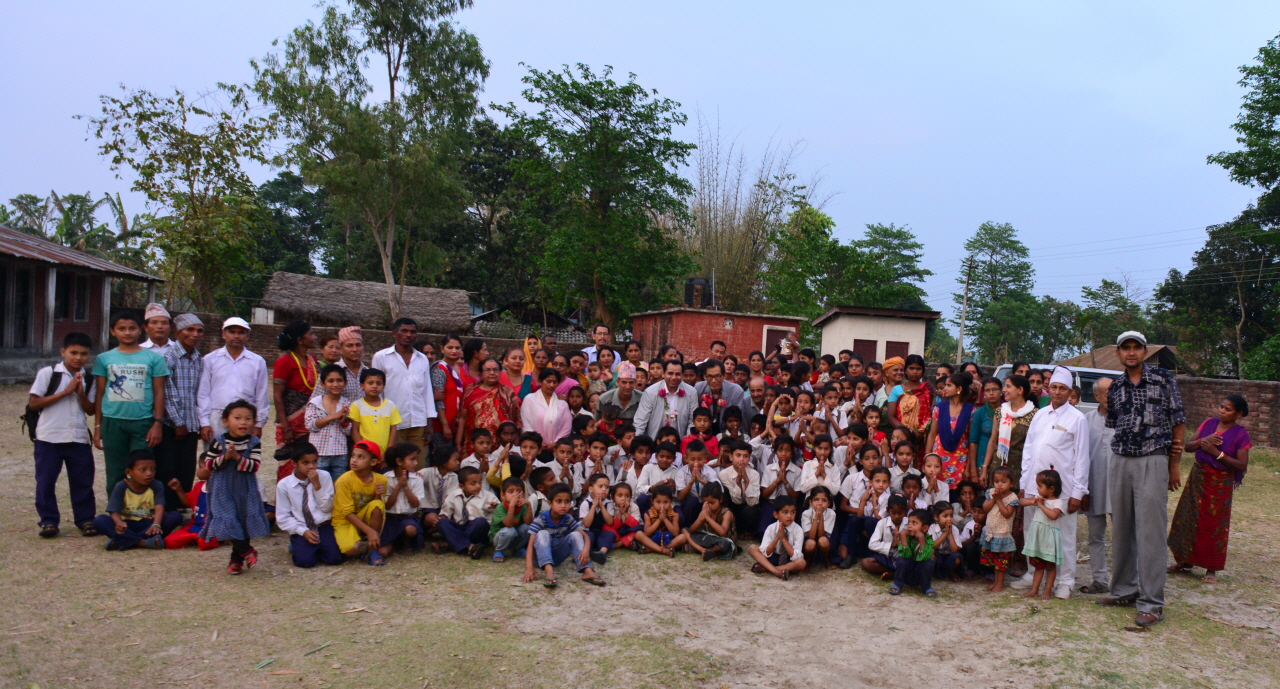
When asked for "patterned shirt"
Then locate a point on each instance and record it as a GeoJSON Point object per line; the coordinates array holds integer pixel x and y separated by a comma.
{"type": "Point", "coordinates": [331, 439]}
{"type": "Point", "coordinates": [558, 530]}
{"type": "Point", "coordinates": [181, 387]}
{"type": "Point", "coordinates": [1144, 415]}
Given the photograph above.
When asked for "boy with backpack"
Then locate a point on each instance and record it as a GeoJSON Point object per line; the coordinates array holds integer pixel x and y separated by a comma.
{"type": "Point", "coordinates": [60, 398]}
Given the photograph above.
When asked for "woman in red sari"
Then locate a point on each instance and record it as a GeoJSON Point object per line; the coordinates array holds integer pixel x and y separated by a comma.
{"type": "Point", "coordinates": [485, 404]}
{"type": "Point", "coordinates": [1202, 522]}
{"type": "Point", "coordinates": [911, 405]}
{"type": "Point", "coordinates": [449, 377]}
{"type": "Point", "coordinates": [294, 376]}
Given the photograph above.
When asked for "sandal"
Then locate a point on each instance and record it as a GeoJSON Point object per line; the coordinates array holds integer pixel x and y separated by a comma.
{"type": "Point", "coordinates": [1094, 589]}
{"type": "Point", "coordinates": [1178, 569]}
{"type": "Point", "coordinates": [250, 558]}
{"type": "Point", "coordinates": [786, 575]}
{"type": "Point", "coordinates": [596, 581]}
{"type": "Point", "coordinates": [48, 530]}
{"type": "Point", "coordinates": [894, 590]}
{"type": "Point", "coordinates": [549, 583]}
{"type": "Point", "coordinates": [87, 529]}
{"type": "Point", "coordinates": [931, 594]}
{"type": "Point", "coordinates": [376, 559]}
{"type": "Point", "coordinates": [440, 548]}
{"type": "Point", "coordinates": [671, 553]}
{"type": "Point", "coordinates": [498, 556]}
{"type": "Point", "coordinates": [757, 568]}
{"type": "Point", "coordinates": [475, 550]}
{"type": "Point", "coordinates": [1209, 579]}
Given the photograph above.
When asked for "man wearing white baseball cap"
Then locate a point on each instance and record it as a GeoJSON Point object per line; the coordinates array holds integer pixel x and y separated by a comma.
{"type": "Point", "coordinates": [231, 373]}
{"type": "Point", "coordinates": [1144, 406]}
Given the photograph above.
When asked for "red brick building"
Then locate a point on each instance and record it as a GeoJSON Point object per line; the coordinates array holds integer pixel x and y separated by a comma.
{"type": "Point", "coordinates": [692, 331]}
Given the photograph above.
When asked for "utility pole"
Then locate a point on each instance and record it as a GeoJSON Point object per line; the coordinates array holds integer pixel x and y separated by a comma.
{"type": "Point", "coordinates": [964, 308]}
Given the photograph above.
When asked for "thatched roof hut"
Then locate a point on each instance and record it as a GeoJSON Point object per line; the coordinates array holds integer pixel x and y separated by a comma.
{"type": "Point", "coordinates": [323, 301]}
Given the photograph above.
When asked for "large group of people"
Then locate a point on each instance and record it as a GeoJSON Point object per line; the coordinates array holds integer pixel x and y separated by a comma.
{"type": "Point", "coordinates": [795, 460]}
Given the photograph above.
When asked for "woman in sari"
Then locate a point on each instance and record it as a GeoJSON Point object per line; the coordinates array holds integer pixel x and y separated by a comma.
{"type": "Point", "coordinates": [545, 413]}
{"type": "Point", "coordinates": [911, 404]}
{"type": "Point", "coordinates": [486, 404]}
{"type": "Point", "coordinates": [606, 356]}
{"type": "Point", "coordinates": [474, 353]}
{"type": "Point", "coordinates": [294, 377]}
{"type": "Point", "coordinates": [1202, 521]}
{"type": "Point", "coordinates": [949, 428]}
{"type": "Point", "coordinates": [513, 375]}
{"type": "Point", "coordinates": [1005, 450]}
{"type": "Point", "coordinates": [449, 378]}
{"type": "Point", "coordinates": [531, 345]}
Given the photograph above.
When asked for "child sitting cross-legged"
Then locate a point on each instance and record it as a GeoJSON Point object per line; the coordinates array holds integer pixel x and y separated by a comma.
{"type": "Point", "coordinates": [509, 525]}
{"type": "Point", "coordinates": [405, 492]}
{"type": "Point", "coordinates": [304, 507]}
{"type": "Point", "coordinates": [554, 536]}
{"type": "Point", "coordinates": [464, 519]}
{"type": "Point", "coordinates": [135, 512]}
{"type": "Point", "coordinates": [915, 555]}
{"type": "Point", "coordinates": [626, 516]}
{"type": "Point", "coordinates": [781, 551]}
{"type": "Point", "coordinates": [358, 507]}
{"type": "Point", "coordinates": [711, 532]}
{"type": "Point", "coordinates": [819, 524]}
{"type": "Point", "coordinates": [661, 532]}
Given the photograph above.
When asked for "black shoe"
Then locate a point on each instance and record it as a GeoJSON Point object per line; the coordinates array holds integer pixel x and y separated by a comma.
{"type": "Point", "coordinates": [48, 530]}
{"type": "Point", "coordinates": [599, 557]}
{"type": "Point", "coordinates": [848, 562]}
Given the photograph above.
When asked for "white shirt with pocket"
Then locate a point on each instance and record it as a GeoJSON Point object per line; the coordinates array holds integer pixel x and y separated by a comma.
{"type": "Point", "coordinates": [64, 420]}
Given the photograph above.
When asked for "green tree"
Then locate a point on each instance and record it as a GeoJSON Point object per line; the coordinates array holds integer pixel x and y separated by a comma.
{"type": "Point", "coordinates": [1258, 125]}
{"type": "Point", "coordinates": [186, 157]}
{"type": "Point", "coordinates": [385, 164]}
{"type": "Point", "coordinates": [898, 250]}
{"type": "Point", "coordinates": [1000, 272]}
{"type": "Point", "coordinates": [611, 174]}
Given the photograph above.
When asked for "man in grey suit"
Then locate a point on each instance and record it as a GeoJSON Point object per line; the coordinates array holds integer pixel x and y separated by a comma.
{"type": "Point", "coordinates": [668, 402]}
{"type": "Point", "coordinates": [714, 390]}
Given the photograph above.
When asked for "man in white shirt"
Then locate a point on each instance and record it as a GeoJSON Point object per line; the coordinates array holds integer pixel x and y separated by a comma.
{"type": "Point", "coordinates": [670, 402]}
{"type": "Point", "coordinates": [408, 383]}
{"type": "Point", "coordinates": [1095, 503]}
{"type": "Point", "coordinates": [158, 326]}
{"type": "Point", "coordinates": [600, 335]}
{"type": "Point", "coordinates": [304, 506]}
{"type": "Point", "coordinates": [1058, 439]}
{"type": "Point", "coordinates": [231, 373]}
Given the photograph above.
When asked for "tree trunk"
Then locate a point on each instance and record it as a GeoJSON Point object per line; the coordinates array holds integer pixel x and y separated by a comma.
{"type": "Point", "coordinates": [602, 307]}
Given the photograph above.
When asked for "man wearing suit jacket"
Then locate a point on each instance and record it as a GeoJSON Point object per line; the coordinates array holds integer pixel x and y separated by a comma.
{"type": "Point", "coordinates": [714, 389]}
{"type": "Point", "coordinates": [669, 402]}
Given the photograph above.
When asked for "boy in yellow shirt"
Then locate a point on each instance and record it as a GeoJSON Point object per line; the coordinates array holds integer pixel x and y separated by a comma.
{"type": "Point", "coordinates": [375, 417]}
{"type": "Point", "coordinates": [357, 504]}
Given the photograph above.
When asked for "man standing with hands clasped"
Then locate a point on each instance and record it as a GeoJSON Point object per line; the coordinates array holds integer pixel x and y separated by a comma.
{"type": "Point", "coordinates": [1144, 406]}
{"type": "Point", "coordinates": [1058, 439]}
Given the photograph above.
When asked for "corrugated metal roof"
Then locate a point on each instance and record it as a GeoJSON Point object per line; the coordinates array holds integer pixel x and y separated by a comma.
{"type": "Point", "coordinates": [22, 245]}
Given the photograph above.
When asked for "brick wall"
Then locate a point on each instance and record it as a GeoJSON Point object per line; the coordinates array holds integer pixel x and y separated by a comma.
{"type": "Point", "coordinates": [692, 332]}
{"type": "Point", "coordinates": [1201, 396]}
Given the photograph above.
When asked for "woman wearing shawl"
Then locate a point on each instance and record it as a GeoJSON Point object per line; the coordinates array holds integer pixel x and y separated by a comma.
{"type": "Point", "coordinates": [949, 428]}
{"type": "Point", "coordinates": [485, 404]}
{"type": "Point", "coordinates": [1006, 444]}
{"type": "Point", "coordinates": [449, 377]}
{"type": "Point", "coordinates": [1202, 521]}
{"type": "Point", "coordinates": [911, 404]}
{"type": "Point", "coordinates": [513, 375]}
{"type": "Point", "coordinates": [294, 377]}
{"type": "Point", "coordinates": [531, 345]}
{"type": "Point", "coordinates": [546, 414]}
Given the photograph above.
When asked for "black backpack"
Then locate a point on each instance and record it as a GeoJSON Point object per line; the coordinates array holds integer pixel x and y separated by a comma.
{"type": "Point", "coordinates": [31, 417]}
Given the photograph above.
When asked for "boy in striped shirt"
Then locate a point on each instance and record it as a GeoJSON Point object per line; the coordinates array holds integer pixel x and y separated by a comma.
{"type": "Point", "coordinates": [556, 534]}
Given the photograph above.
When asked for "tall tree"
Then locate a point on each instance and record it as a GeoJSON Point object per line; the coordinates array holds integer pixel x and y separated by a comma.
{"type": "Point", "coordinates": [386, 164]}
{"type": "Point", "coordinates": [1001, 271]}
{"type": "Point", "coordinates": [1258, 125]}
{"type": "Point", "coordinates": [898, 250]}
{"type": "Point", "coordinates": [187, 156]}
{"type": "Point", "coordinates": [611, 170]}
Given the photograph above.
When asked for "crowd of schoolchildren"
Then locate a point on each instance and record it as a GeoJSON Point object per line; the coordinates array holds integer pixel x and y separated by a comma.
{"type": "Point", "coordinates": [807, 479]}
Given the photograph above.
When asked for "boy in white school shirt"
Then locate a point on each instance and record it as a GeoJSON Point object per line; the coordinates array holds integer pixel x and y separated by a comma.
{"type": "Point", "coordinates": [62, 436]}
{"type": "Point", "coordinates": [781, 550]}
{"type": "Point", "coordinates": [780, 477]}
{"type": "Point", "coordinates": [465, 516]}
{"type": "Point", "coordinates": [692, 479]}
{"type": "Point", "coordinates": [742, 488]}
{"type": "Point", "coordinates": [821, 470]}
{"type": "Point", "coordinates": [662, 470]}
{"type": "Point", "coordinates": [882, 560]}
{"type": "Point", "coordinates": [540, 480]}
{"type": "Point", "coordinates": [438, 481]}
{"type": "Point", "coordinates": [632, 468]}
{"type": "Point", "coordinates": [304, 506]}
{"type": "Point", "coordinates": [595, 463]}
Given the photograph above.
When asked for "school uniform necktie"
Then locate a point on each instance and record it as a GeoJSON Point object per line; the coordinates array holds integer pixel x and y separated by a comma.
{"type": "Point", "coordinates": [306, 509]}
{"type": "Point", "coordinates": [439, 491]}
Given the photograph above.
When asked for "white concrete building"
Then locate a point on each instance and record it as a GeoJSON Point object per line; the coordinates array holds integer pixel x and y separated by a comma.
{"type": "Point", "coordinates": [875, 334]}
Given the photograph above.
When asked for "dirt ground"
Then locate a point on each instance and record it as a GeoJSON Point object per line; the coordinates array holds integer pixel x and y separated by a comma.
{"type": "Point", "coordinates": [83, 617]}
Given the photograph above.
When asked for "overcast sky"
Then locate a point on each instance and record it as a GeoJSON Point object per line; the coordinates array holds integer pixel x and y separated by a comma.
{"type": "Point", "coordinates": [1084, 124]}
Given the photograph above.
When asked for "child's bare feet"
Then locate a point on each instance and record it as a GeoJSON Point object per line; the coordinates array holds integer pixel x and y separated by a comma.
{"type": "Point", "coordinates": [996, 589]}
{"type": "Point", "coordinates": [832, 565]}
{"type": "Point", "coordinates": [887, 576]}
{"type": "Point", "coordinates": [1047, 595]}
{"type": "Point", "coordinates": [1030, 593]}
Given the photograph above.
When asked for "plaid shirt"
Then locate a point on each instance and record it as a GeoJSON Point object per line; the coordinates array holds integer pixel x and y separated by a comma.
{"type": "Point", "coordinates": [1144, 415]}
{"type": "Point", "coordinates": [332, 438]}
{"type": "Point", "coordinates": [181, 386]}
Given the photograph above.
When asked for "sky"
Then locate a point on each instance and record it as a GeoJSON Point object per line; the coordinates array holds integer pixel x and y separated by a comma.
{"type": "Point", "coordinates": [1085, 125]}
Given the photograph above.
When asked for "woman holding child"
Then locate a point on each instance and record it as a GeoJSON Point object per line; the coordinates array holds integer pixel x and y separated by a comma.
{"type": "Point", "coordinates": [486, 403]}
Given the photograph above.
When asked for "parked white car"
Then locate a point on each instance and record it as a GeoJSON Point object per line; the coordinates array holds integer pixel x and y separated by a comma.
{"type": "Point", "coordinates": [1084, 379]}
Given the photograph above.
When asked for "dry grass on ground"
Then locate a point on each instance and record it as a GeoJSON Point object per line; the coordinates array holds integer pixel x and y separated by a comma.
{"type": "Point", "coordinates": [82, 617]}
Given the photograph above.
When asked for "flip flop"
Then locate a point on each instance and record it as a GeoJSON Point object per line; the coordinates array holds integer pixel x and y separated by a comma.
{"type": "Point", "coordinates": [596, 581]}
{"type": "Point", "coordinates": [86, 529]}
{"type": "Point", "coordinates": [894, 590]}
{"type": "Point", "coordinates": [786, 575]}
{"type": "Point", "coordinates": [1209, 579]}
{"type": "Point", "coordinates": [549, 583]}
{"type": "Point", "coordinates": [498, 556]}
{"type": "Point", "coordinates": [1094, 589]}
{"type": "Point", "coordinates": [48, 530]}
{"type": "Point", "coordinates": [375, 559]}
{"type": "Point", "coordinates": [1178, 569]}
{"type": "Point", "coordinates": [757, 568]}
{"type": "Point", "coordinates": [931, 594]}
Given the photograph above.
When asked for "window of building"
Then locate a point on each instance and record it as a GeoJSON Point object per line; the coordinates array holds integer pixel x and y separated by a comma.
{"type": "Point", "coordinates": [62, 296]}
{"type": "Point", "coordinates": [82, 298]}
{"type": "Point", "coordinates": [22, 307]}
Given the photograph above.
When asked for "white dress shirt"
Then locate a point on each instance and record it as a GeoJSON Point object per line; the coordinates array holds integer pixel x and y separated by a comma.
{"type": "Point", "coordinates": [64, 420]}
{"type": "Point", "coordinates": [882, 539]}
{"type": "Point", "coordinates": [729, 479]}
{"type": "Point", "coordinates": [226, 379]}
{"type": "Point", "coordinates": [1058, 439]}
{"type": "Point", "coordinates": [853, 486]}
{"type": "Point", "coordinates": [685, 476]}
{"type": "Point", "coordinates": [795, 538]}
{"type": "Point", "coordinates": [409, 386]}
{"type": "Point", "coordinates": [653, 474]}
{"type": "Point", "coordinates": [289, 502]}
{"type": "Point", "coordinates": [828, 521]}
{"type": "Point", "coordinates": [809, 477]}
{"type": "Point", "coordinates": [770, 474]}
{"type": "Point", "coordinates": [433, 492]}
{"type": "Point", "coordinates": [462, 508]}
{"type": "Point", "coordinates": [416, 486]}
{"type": "Point", "coordinates": [158, 349]}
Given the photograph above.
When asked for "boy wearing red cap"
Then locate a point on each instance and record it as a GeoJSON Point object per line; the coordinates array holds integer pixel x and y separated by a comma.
{"type": "Point", "coordinates": [357, 504]}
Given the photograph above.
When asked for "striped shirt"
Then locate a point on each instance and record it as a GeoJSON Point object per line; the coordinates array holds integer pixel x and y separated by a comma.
{"type": "Point", "coordinates": [249, 448]}
{"type": "Point", "coordinates": [558, 530]}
